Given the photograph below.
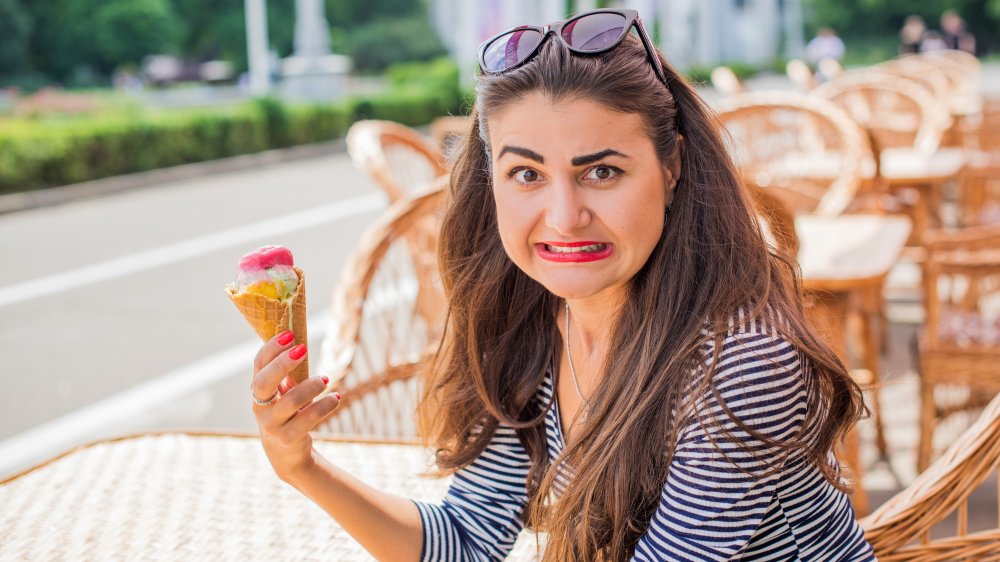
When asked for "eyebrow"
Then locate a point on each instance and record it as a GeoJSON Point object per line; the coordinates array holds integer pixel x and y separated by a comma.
{"type": "Point", "coordinates": [576, 161]}
{"type": "Point", "coordinates": [530, 154]}
{"type": "Point", "coordinates": [590, 158]}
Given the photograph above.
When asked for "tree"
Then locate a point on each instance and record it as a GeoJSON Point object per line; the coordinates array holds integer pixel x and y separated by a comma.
{"type": "Point", "coordinates": [126, 31]}
{"type": "Point", "coordinates": [15, 28]}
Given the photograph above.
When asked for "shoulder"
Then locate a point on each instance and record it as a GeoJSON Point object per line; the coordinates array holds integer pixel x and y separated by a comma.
{"type": "Point", "coordinates": [751, 343]}
{"type": "Point", "coordinates": [756, 372]}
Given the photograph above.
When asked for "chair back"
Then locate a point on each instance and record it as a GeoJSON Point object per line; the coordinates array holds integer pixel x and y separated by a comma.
{"type": "Point", "coordinates": [388, 316]}
{"type": "Point", "coordinates": [900, 528]}
{"type": "Point", "coordinates": [398, 158]}
{"type": "Point", "coordinates": [962, 297]}
{"type": "Point", "coordinates": [894, 111]}
{"type": "Point", "coordinates": [806, 149]}
{"type": "Point", "coordinates": [725, 81]}
{"type": "Point", "coordinates": [800, 74]}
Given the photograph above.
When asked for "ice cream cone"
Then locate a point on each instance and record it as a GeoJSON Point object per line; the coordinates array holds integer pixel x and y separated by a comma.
{"type": "Point", "coordinates": [269, 316]}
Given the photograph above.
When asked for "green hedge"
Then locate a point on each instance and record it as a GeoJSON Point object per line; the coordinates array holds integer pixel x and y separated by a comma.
{"type": "Point", "coordinates": [41, 153]}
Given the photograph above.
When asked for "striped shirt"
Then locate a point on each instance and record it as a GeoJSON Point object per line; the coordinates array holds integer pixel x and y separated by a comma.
{"type": "Point", "coordinates": [713, 507]}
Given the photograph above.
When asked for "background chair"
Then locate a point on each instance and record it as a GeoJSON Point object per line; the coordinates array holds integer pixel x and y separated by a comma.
{"type": "Point", "coordinates": [960, 344]}
{"type": "Point", "coordinates": [900, 528]}
{"type": "Point", "coordinates": [979, 193]}
{"type": "Point", "coordinates": [906, 126]}
{"type": "Point", "coordinates": [800, 74]}
{"type": "Point", "coordinates": [388, 316]}
{"type": "Point", "coordinates": [398, 158]}
{"type": "Point", "coordinates": [725, 81]}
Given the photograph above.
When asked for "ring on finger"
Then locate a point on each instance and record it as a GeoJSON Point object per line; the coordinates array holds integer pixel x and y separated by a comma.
{"type": "Point", "coordinates": [268, 402]}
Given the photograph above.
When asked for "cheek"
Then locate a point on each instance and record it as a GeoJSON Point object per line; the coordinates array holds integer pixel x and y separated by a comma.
{"type": "Point", "coordinates": [512, 226]}
{"type": "Point", "coordinates": [640, 221]}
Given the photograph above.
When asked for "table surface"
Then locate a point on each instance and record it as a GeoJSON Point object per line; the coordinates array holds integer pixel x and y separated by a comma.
{"type": "Point", "coordinates": [178, 496]}
{"type": "Point", "coordinates": [847, 249]}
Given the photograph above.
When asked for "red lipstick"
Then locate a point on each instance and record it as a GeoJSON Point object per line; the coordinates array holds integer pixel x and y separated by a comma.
{"type": "Point", "coordinates": [574, 252]}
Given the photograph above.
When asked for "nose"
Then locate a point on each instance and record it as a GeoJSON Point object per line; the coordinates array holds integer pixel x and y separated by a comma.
{"type": "Point", "coordinates": [566, 211]}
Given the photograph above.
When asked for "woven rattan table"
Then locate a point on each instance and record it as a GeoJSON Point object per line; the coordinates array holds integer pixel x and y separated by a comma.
{"type": "Point", "coordinates": [181, 496]}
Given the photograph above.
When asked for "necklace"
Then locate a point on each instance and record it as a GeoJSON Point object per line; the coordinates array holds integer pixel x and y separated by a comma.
{"type": "Point", "coordinates": [572, 371]}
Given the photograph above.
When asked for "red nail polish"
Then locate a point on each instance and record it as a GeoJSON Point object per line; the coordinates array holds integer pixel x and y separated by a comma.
{"type": "Point", "coordinates": [284, 338]}
{"type": "Point", "coordinates": [297, 352]}
{"type": "Point", "coordinates": [337, 394]}
{"type": "Point", "coordinates": [326, 380]}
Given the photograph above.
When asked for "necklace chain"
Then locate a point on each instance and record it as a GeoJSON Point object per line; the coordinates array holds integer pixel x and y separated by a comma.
{"type": "Point", "coordinates": [572, 371]}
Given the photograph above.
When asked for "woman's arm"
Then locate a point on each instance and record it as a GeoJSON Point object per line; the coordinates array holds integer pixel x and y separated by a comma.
{"type": "Point", "coordinates": [478, 520]}
{"type": "Point", "coordinates": [480, 517]}
{"type": "Point", "coordinates": [387, 526]}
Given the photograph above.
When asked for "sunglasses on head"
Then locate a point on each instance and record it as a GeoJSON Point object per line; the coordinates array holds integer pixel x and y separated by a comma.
{"type": "Point", "coordinates": [590, 33]}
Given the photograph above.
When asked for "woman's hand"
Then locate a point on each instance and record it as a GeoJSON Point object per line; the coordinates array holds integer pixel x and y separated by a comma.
{"type": "Point", "coordinates": [285, 423]}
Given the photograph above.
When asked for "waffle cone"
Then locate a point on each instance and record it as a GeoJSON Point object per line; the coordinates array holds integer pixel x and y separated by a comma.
{"type": "Point", "coordinates": [269, 316]}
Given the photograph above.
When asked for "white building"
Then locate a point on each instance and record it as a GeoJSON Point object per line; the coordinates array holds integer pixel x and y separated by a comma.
{"type": "Point", "coordinates": [689, 32]}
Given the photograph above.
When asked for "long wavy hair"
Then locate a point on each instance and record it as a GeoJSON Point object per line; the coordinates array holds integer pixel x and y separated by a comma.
{"type": "Point", "coordinates": [711, 260]}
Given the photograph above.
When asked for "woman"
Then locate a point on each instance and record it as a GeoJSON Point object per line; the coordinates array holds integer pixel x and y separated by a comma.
{"type": "Point", "coordinates": [625, 364]}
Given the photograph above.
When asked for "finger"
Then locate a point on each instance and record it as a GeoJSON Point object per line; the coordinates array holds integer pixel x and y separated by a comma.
{"type": "Point", "coordinates": [267, 379]}
{"type": "Point", "coordinates": [287, 384]}
{"type": "Point", "coordinates": [298, 398]}
{"type": "Point", "coordinates": [312, 415]}
{"type": "Point", "coordinates": [272, 348]}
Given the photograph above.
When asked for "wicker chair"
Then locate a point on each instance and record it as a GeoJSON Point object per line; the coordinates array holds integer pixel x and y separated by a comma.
{"type": "Point", "coordinates": [725, 81]}
{"type": "Point", "coordinates": [895, 111]}
{"type": "Point", "coordinates": [398, 158]}
{"type": "Point", "coordinates": [449, 132]}
{"type": "Point", "coordinates": [900, 528]}
{"type": "Point", "coordinates": [388, 316]}
{"type": "Point", "coordinates": [979, 195]}
{"type": "Point", "coordinates": [809, 151]}
{"type": "Point", "coordinates": [959, 349]}
{"type": "Point", "coordinates": [905, 124]}
{"type": "Point", "coordinates": [800, 74]}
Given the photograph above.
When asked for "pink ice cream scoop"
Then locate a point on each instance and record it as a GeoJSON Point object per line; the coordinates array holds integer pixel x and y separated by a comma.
{"type": "Point", "coordinates": [267, 271]}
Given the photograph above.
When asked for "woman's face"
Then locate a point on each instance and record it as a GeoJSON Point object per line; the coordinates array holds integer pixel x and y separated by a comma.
{"type": "Point", "coordinates": [580, 194]}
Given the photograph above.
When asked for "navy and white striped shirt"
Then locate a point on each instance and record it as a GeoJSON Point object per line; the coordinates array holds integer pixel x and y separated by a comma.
{"type": "Point", "coordinates": [713, 506]}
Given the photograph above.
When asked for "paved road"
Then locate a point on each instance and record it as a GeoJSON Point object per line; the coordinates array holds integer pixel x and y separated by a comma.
{"type": "Point", "coordinates": [99, 298]}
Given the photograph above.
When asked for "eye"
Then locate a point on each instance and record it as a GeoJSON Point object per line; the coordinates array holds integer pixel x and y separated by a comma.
{"type": "Point", "coordinates": [602, 173]}
{"type": "Point", "coordinates": [524, 175]}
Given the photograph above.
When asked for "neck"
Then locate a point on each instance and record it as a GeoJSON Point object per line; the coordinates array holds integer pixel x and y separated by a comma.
{"type": "Point", "coordinates": [591, 319]}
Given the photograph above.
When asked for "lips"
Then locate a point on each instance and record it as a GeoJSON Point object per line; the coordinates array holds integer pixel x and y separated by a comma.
{"type": "Point", "coordinates": [582, 251]}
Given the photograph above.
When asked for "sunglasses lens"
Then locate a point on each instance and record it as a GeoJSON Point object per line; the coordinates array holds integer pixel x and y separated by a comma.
{"type": "Point", "coordinates": [594, 32]}
{"type": "Point", "coordinates": [510, 50]}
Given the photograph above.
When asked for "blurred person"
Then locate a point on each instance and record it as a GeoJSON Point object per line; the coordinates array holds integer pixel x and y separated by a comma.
{"type": "Point", "coordinates": [933, 41]}
{"type": "Point", "coordinates": [826, 45]}
{"type": "Point", "coordinates": [626, 364]}
{"type": "Point", "coordinates": [955, 34]}
{"type": "Point", "coordinates": [825, 51]}
{"type": "Point", "coordinates": [911, 35]}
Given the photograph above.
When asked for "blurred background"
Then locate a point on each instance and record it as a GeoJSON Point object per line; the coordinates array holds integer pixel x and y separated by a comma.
{"type": "Point", "coordinates": [145, 145]}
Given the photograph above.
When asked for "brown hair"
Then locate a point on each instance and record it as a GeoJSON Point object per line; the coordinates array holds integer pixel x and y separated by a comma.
{"type": "Point", "coordinates": [711, 260]}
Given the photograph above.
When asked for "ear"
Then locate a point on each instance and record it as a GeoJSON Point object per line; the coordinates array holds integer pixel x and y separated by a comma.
{"type": "Point", "coordinates": [675, 164]}
{"type": "Point", "coordinates": [673, 168]}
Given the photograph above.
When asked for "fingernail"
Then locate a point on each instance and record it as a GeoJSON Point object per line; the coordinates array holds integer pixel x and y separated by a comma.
{"type": "Point", "coordinates": [284, 338]}
{"type": "Point", "coordinates": [337, 394]}
{"type": "Point", "coordinates": [297, 352]}
{"type": "Point", "coordinates": [326, 380]}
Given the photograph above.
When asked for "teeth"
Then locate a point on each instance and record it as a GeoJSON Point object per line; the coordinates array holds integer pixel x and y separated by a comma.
{"type": "Point", "coordinates": [575, 250]}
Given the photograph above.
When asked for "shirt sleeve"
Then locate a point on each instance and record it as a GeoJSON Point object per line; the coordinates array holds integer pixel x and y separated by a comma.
{"type": "Point", "coordinates": [716, 494]}
{"type": "Point", "coordinates": [480, 517]}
